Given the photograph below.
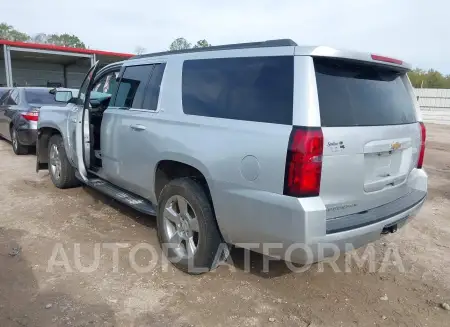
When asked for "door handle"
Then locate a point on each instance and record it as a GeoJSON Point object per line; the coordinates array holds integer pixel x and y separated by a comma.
{"type": "Point", "coordinates": [138, 127]}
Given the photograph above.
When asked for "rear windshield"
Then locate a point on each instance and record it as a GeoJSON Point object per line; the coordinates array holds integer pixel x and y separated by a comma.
{"type": "Point", "coordinates": [353, 94]}
{"type": "Point", "coordinates": [40, 96]}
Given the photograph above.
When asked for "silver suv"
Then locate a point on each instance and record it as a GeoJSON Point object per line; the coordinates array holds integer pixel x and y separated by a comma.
{"type": "Point", "coordinates": [247, 144]}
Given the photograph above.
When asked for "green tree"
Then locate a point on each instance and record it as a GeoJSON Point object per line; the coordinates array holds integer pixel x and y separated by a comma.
{"type": "Point", "coordinates": [429, 79]}
{"type": "Point", "coordinates": [7, 32]}
{"type": "Point", "coordinates": [180, 44]}
{"type": "Point", "coordinates": [66, 40]}
{"type": "Point", "coordinates": [447, 81]}
{"type": "Point", "coordinates": [416, 77]}
{"type": "Point", "coordinates": [202, 44]}
{"type": "Point", "coordinates": [435, 80]}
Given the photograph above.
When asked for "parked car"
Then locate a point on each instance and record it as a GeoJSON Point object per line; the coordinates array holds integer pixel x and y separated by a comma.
{"type": "Point", "coordinates": [19, 112]}
{"type": "Point", "coordinates": [265, 142]}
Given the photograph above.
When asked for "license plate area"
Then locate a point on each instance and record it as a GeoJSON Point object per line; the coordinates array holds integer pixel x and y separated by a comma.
{"type": "Point", "coordinates": [384, 166]}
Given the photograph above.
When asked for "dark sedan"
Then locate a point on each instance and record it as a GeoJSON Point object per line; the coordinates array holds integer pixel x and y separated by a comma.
{"type": "Point", "coordinates": [19, 113]}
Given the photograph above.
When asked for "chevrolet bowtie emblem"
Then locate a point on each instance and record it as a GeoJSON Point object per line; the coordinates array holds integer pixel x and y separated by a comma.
{"type": "Point", "coordinates": [395, 146]}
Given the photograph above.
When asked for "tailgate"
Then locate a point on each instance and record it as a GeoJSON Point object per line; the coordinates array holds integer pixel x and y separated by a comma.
{"type": "Point", "coordinates": [371, 136]}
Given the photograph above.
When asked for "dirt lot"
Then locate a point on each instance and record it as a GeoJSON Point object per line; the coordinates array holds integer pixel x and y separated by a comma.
{"type": "Point", "coordinates": [35, 217]}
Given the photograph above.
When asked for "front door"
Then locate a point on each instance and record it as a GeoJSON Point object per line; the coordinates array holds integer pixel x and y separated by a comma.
{"type": "Point", "coordinates": [80, 121]}
{"type": "Point", "coordinates": [127, 131]}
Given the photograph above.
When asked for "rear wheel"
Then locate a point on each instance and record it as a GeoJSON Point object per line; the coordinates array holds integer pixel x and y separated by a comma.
{"type": "Point", "coordinates": [18, 148]}
{"type": "Point", "coordinates": [187, 228]}
{"type": "Point", "coordinates": [62, 172]}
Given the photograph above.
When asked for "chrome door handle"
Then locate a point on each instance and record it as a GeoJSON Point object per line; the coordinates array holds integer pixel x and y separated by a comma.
{"type": "Point", "coordinates": [138, 127]}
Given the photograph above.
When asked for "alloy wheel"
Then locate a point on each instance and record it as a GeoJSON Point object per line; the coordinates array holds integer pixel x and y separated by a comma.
{"type": "Point", "coordinates": [181, 226]}
{"type": "Point", "coordinates": [55, 162]}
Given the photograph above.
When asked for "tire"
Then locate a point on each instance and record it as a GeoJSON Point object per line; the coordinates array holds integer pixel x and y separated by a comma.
{"type": "Point", "coordinates": [208, 239]}
{"type": "Point", "coordinates": [18, 148]}
{"type": "Point", "coordinates": [61, 171]}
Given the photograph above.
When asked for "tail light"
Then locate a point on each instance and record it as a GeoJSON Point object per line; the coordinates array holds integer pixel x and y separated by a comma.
{"type": "Point", "coordinates": [304, 162]}
{"type": "Point", "coordinates": [31, 115]}
{"type": "Point", "coordinates": [423, 137]}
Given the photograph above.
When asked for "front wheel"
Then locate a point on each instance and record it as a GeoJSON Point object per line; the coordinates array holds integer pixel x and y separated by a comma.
{"type": "Point", "coordinates": [18, 148]}
{"type": "Point", "coordinates": [187, 228]}
{"type": "Point", "coordinates": [61, 171]}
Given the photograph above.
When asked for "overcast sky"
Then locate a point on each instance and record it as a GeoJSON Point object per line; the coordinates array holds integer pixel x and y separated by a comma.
{"type": "Point", "coordinates": [417, 31]}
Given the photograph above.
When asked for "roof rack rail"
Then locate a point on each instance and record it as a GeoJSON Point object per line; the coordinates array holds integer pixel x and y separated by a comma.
{"type": "Point", "coordinates": [263, 44]}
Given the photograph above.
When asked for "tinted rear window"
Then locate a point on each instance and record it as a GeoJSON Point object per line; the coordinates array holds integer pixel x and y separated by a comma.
{"type": "Point", "coordinates": [252, 89]}
{"type": "Point", "coordinates": [352, 94]}
{"type": "Point", "coordinates": [42, 97]}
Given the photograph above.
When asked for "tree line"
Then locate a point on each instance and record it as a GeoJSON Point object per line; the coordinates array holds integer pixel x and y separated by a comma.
{"type": "Point", "coordinates": [419, 78]}
{"type": "Point", "coordinates": [431, 79]}
{"type": "Point", "coordinates": [8, 32]}
{"type": "Point", "coordinates": [181, 43]}
{"type": "Point", "coordinates": [178, 44]}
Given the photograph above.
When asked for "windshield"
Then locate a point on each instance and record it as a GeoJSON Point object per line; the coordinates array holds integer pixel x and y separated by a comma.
{"type": "Point", "coordinates": [354, 94]}
{"type": "Point", "coordinates": [40, 96]}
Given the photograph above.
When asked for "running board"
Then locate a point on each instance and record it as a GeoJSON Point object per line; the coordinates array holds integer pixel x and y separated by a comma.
{"type": "Point", "coordinates": [134, 201]}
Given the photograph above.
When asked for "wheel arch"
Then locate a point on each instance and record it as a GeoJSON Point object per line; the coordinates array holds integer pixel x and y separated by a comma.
{"type": "Point", "coordinates": [43, 136]}
{"type": "Point", "coordinates": [174, 166]}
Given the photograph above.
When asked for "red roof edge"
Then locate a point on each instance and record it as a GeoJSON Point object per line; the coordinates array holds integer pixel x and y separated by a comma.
{"type": "Point", "coordinates": [61, 48]}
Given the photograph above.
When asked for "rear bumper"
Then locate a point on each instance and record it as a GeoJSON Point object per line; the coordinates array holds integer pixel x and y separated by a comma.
{"type": "Point", "coordinates": [297, 230]}
{"type": "Point", "coordinates": [375, 215]}
{"type": "Point", "coordinates": [314, 246]}
{"type": "Point", "coordinates": [325, 246]}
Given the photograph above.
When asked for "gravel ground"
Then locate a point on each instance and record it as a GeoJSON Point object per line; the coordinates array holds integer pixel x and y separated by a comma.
{"type": "Point", "coordinates": [39, 286]}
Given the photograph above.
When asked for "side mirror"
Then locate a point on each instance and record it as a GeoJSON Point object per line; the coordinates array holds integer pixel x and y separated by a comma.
{"type": "Point", "coordinates": [63, 96]}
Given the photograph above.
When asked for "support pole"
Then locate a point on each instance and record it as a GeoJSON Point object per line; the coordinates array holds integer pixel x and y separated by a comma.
{"type": "Point", "coordinates": [8, 67]}
{"type": "Point", "coordinates": [65, 75]}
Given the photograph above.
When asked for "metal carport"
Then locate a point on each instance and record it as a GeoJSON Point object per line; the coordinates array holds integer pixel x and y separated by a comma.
{"type": "Point", "coordinates": [32, 64]}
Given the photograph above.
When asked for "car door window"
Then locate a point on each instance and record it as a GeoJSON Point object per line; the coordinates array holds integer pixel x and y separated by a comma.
{"type": "Point", "coordinates": [4, 98]}
{"type": "Point", "coordinates": [153, 87]}
{"type": "Point", "coordinates": [107, 84]}
{"type": "Point", "coordinates": [257, 89]}
{"type": "Point", "coordinates": [13, 98]}
{"type": "Point", "coordinates": [131, 91]}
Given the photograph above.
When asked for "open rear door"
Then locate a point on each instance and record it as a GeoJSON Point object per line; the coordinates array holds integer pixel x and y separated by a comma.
{"type": "Point", "coordinates": [82, 139]}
